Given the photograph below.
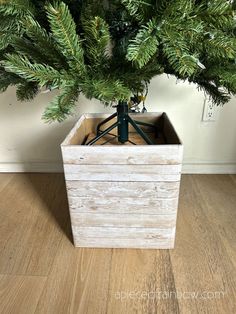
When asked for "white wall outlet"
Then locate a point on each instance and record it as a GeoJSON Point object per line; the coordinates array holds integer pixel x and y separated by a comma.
{"type": "Point", "coordinates": [210, 111]}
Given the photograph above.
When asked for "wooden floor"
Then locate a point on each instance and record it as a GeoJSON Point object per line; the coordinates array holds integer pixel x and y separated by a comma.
{"type": "Point", "coordinates": [41, 271]}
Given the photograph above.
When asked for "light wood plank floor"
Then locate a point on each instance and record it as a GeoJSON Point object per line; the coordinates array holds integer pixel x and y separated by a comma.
{"type": "Point", "coordinates": [41, 271]}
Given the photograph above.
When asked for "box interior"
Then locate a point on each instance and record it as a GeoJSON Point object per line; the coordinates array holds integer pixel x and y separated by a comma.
{"type": "Point", "coordinates": [88, 125]}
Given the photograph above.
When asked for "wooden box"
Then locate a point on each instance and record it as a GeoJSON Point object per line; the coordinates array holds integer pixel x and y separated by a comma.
{"type": "Point", "coordinates": [123, 196]}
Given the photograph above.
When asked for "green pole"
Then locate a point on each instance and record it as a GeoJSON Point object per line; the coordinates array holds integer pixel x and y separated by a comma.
{"type": "Point", "coordinates": [123, 122]}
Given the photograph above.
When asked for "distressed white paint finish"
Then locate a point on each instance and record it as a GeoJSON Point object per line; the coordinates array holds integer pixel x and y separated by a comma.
{"type": "Point", "coordinates": [124, 237]}
{"type": "Point", "coordinates": [117, 205]}
{"type": "Point", "coordinates": [122, 172]}
{"type": "Point", "coordinates": [118, 243]}
{"type": "Point", "coordinates": [135, 190]}
{"type": "Point", "coordinates": [123, 220]}
{"type": "Point", "coordinates": [123, 196]}
{"type": "Point", "coordinates": [118, 155]}
{"type": "Point", "coordinates": [124, 233]}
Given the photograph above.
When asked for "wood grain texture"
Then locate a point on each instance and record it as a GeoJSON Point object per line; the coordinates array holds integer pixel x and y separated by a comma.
{"type": "Point", "coordinates": [119, 155]}
{"type": "Point", "coordinates": [200, 252]}
{"type": "Point", "coordinates": [77, 133]}
{"type": "Point", "coordinates": [20, 294]}
{"type": "Point", "coordinates": [121, 243]}
{"type": "Point", "coordinates": [139, 220]}
{"type": "Point", "coordinates": [27, 223]}
{"type": "Point", "coordinates": [117, 281]}
{"type": "Point", "coordinates": [126, 237]}
{"type": "Point", "coordinates": [122, 172]}
{"type": "Point", "coordinates": [78, 282]}
{"type": "Point", "coordinates": [131, 206]}
{"type": "Point", "coordinates": [151, 190]}
{"type": "Point", "coordinates": [136, 278]}
{"type": "Point", "coordinates": [169, 131]}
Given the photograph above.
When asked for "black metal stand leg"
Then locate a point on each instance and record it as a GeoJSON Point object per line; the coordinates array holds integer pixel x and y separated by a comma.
{"type": "Point", "coordinates": [145, 124]}
{"type": "Point", "coordinates": [102, 134]}
{"type": "Point", "coordinates": [140, 131]}
{"type": "Point", "coordinates": [105, 121]}
{"type": "Point", "coordinates": [122, 124]}
{"type": "Point", "coordinates": [148, 125]}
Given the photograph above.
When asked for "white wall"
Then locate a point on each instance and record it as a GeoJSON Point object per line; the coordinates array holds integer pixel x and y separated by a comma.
{"type": "Point", "coordinates": [27, 144]}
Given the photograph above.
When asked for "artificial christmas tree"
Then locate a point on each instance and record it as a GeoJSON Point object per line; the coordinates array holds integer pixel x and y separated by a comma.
{"type": "Point", "coordinates": [110, 50]}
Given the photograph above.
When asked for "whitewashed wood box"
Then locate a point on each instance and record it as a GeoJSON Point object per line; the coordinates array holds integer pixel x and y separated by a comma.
{"type": "Point", "coordinates": [123, 196]}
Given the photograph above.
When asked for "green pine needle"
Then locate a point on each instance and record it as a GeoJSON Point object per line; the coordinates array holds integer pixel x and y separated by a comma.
{"type": "Point", "coordinates": [97, 41]}
{"type": "Point", "coordinates": [144, 46]}
{"type": "Point", "coordinates": [17, 7]}
{"type": "Point", "coordinates": [42, 74]}
{"type": "Point", "coordinates": [62, 106]}
{"type": "Point", "coordinates": [64, 32]}
{"type": "Point", "coordinates": [106, 90]}
{"type": "Point", "coordinates": [26, 91]}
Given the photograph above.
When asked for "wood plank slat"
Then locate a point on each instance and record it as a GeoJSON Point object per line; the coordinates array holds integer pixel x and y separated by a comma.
{"type": "Point", "coordinates": [116, 205]}
{"type": "Point", "coordinates": [136, 190]}
{"type": "Point", "coordinates": [116, 243]}
{"type": "Point", "coordinates": [123, 220]}
{"type": "Point", "coordinates": [151, 234]}
{"type": "Point", "coordinates": [111, 237]}
{"type": "Point", "coordinates": [119, 155]}
{"type": "Point", "coordinates": [122, 172]}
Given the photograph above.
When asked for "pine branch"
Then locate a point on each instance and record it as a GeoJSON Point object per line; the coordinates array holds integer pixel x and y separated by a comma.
{"type": "Point", "coordinates": [224, 76]}
{"type": "Point", "coordinates": [33, 72]}
{"type": "Point", "coordinates": [17, 7]}
{"type": "Point", "coordinates": [175, 10]}
{"type": "Point", "coordinates": [163, 7]}
{"type": "Point", "coordinates": [65, 46]}
{"type": "Point", "coordinates": [9, 24]}
{"type": "Point", "coordinates": [26, 91]}
{"type": "Point", "coordinates": [220, 45]}
{"type": "Point", "coordinates": [8, 79]}
{"type": "Point", "coordinates": [5, 40]}
{"type": "Point", "coordinates": [140, 9]}
{"type": "Point", "coordinates": [97, 40]}
{"type": "Point", "coordinates": [27, 48]}
{"type": "Point", "coordinates": [177, 52]}
{"type": "Point", "coordinates": [133, 81]}
{"type": "Point", "coordinates": [218, 97]}
{"type": "Point", "coordinates": [105, 90]}
{"type": "Point", "coordinates": [9, 28]}
{"type": "Point", "coordinates": [63, 105]}
{"type": "Point", "coordinates": [144, 46]}
{"type": "Point", "coordinates": [44, 43]}
{"type": "Point", "coordinates": [219, 13]}
{"type": "Point", "coordinates": [64, 32]}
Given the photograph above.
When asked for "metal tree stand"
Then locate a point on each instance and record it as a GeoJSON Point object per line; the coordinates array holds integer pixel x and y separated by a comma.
{"type": "Point", "coordinates": [122, 124]}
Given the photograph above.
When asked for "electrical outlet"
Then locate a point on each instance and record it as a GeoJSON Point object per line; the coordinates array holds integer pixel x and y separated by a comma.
{"type": "Point", "coordinates": [210, 111]}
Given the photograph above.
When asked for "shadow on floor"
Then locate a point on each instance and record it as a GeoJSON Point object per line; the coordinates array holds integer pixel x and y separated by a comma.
{"type": "Point", "coordinates": [51, 189]}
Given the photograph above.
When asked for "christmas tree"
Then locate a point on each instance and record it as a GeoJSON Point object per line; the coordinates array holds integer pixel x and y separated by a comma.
{"type": "Point", "coordinates": [110, 50]}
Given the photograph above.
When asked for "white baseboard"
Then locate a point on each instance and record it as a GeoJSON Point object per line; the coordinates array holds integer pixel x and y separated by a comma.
{"type": "Point", "coordinates": [207, 168]}
{"type": "Point", "coordinates": [31, 167]}
{"type": "Point", "coordinates": [47, 167]}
